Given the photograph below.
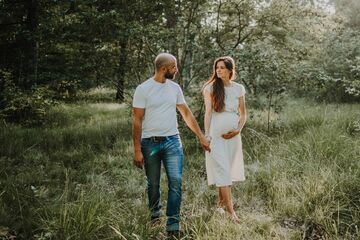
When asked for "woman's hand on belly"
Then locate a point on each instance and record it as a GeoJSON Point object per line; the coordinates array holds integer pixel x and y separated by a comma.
{"type": "Point", "coordinates": [231, 134]}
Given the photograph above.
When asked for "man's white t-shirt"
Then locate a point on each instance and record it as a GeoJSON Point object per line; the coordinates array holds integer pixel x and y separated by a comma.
{"type": "Point", "coordinates": [159, 101]}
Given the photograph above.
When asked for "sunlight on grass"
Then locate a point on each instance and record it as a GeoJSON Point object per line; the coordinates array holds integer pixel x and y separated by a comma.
{"type": "Point", "coordinates": [107, 106]}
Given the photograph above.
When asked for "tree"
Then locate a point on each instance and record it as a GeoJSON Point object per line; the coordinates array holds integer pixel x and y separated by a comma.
{"type": "Point", "coordinates": [20, 35]}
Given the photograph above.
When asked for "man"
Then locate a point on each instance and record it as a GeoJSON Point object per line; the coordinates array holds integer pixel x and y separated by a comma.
{"type": "Point", "coordinates": [156, 137]}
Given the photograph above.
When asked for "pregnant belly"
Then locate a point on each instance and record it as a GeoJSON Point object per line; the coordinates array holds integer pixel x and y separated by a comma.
{"type": "Point", "coordinates": [222, 123]}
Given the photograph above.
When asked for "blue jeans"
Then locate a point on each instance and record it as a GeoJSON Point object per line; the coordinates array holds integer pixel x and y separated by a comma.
{"type": "Point", "coordinates": [168, 151]}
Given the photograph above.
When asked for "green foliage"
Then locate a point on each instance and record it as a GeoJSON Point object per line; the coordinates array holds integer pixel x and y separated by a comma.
{"type": "Point", "coordinates": [7, 88]}
{"type": "Point", "coordinates": [353, 127]}
{"type": "Point", "coordinates": [279, 46]}
{"type": "Point", "coordinates": [65, 90]}
{"type": "Point", "coordinates": [24, 107]}
{"type": "Point", "coordinates": [28, 108]}
{"type": "Point", "coordinates": [331, 71]}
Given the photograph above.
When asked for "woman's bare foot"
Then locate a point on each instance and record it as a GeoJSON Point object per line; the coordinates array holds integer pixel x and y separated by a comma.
{"type": "Point", "coordinates": [233, 218]}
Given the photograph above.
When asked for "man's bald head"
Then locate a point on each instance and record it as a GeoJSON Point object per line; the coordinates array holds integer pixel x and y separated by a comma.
{"type": "Point", "coordinates": [164, 60]}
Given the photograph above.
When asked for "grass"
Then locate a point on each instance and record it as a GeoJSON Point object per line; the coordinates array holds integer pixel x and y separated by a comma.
{"type": "Point", "coordinates": [73, 178]}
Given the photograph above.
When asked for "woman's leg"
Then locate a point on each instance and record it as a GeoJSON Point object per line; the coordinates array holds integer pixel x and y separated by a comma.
{"type": "Point", "coordinates": [221, 203]}
{"type": "Point", "coordinates": [227, 199]}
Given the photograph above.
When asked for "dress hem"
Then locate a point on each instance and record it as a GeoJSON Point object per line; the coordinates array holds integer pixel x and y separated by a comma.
{"type": "Point", "coordinates": [225, 185]}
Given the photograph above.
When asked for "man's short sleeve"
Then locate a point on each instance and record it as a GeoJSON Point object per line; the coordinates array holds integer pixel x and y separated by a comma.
{"type": "Point", "coordinates": [180, 97]}
{"type": "Point", "coordinates": [139, 98]}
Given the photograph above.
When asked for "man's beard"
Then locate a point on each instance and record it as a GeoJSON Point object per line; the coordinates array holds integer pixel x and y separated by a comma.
{"type": "Point", "coordinates": [169, 75]}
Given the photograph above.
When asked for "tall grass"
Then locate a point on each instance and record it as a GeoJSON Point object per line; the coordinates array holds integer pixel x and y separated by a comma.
{"type": "Point", "coordinates": [311, 174]}
{"type": "Point", "coordinates": [74, 178]}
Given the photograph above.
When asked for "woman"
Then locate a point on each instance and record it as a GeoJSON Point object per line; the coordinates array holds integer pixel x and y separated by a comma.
{"type": "Point", "coordinates": [225, 116]}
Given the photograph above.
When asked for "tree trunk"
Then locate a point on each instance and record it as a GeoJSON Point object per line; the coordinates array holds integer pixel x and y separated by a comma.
{"type": "Point", "coordinates": [187, 67]}
{"type": "Point", "coordinates": [122, 67]}
{"type": "Point", "coordinates": [269, 111]}
{"type": "Point", "coordinates": [171, 23]}
{"type": "Point", "coordinates": [186, 61]}
{"type": "Point", "coordinates": [171, 17]}
{"type": "Point", "coordinates": [255, 80]}
{"type": "Point", "coordinates": [30, 46]}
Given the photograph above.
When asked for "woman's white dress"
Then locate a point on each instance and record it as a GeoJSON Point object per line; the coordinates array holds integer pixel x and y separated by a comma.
{"type": "Point", "coordinates": [225, 164]}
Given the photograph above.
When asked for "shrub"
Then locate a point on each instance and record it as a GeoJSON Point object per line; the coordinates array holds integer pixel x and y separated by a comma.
{"type": "Point", "coordinates": [65, 90]}
{"type": "Point", "coordinates": [20, 106]}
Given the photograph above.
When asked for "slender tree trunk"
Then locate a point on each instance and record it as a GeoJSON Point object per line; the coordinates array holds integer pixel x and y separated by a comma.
{"type": "Point", "coordinates": [188, 62]}
{"type": "Point", "coordinates": [122, 67]}
{"type": "Point", "coordinates": [254, 83]}
{"type": "Point", "coordinates": [30, 45]}
{"type": "Point", "coordinates": [269, 111]}
{"type": "Point", "coordinates": [36, 62]}
{"type": "Point", "coordinates": [171, 23]}
{"type": "Point", "coordinates": [171, 16]}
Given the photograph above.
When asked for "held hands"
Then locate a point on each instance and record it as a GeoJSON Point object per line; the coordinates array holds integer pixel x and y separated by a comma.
{"type": "Point", "coordinates": [205, 143]}
{"type": "Point", "coordinates": [138, 159]}
{"type": "Point", "coordinates": [231, 134]}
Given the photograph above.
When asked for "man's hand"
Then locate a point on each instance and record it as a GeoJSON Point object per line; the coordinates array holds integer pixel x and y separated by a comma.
{"type": "Point", "coordinates": [205, 143]}
{"type": "Point", "coordinates": [231, 134]}
{"type": "Point", "coordinates": [139, 159]}
{"type": "Point", "coordinates": [193, 125]}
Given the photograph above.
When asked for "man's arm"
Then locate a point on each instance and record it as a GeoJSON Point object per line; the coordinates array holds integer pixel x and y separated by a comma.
{"type": "Point", "coordinates": [138, 114]}
{"type": "Point", "coordinates": [192, 124]}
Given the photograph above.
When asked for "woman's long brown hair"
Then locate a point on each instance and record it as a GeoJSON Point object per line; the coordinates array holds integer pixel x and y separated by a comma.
{"type": "Point", "coordinates": [218, 91]}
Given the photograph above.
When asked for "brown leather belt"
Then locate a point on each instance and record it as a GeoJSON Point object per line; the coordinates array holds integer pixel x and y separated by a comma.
{"type": "Point", "coordinates": [156, 138]}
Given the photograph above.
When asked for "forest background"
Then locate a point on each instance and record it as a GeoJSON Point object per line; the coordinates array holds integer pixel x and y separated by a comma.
{"type": "Point", "coordinates": [68, 70]}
